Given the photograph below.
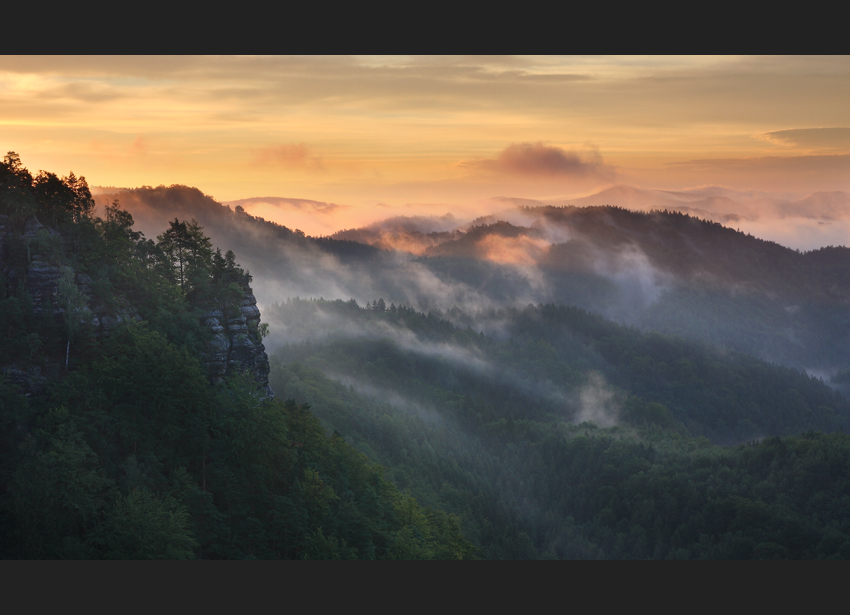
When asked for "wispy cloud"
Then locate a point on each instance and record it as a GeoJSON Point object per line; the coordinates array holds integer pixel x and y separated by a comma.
{"type": "Point", "coordinates": [392, 129]}
{"type": "Point", "coordinates": [284, 203]}
{"type": "Point", "coordinates": [290, 155]}
{"type": "Point", "coordinates": [834, 138]}
{"type": "Point", "coordinates": [598, 402]}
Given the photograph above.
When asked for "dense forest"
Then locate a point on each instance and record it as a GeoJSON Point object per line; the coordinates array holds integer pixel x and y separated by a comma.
{"type": "Point", "coordinates": [574, 437]}
{"type": "Point", "coordinates": [662, 271]}
{"type": "Point", "coordinates": [564, 383]}
{"type": "Point", "coordinates": [119, 441]}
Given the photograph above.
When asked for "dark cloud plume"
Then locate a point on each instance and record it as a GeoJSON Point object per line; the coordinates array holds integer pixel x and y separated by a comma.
{"type": "Point", "coordinates": [539, 159]}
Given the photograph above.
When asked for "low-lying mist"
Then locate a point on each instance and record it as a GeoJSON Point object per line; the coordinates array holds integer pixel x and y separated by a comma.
{"type": "Point", "coordinates": [435, 349]}
{"type": "Point", "coordinates": [673, 273]}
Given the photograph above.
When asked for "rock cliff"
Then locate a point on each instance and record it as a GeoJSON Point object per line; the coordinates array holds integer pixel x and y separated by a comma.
{"type": "Point", "coordinates": [32, 259]}
{"type": "Point", "coordinates": [236, 343]}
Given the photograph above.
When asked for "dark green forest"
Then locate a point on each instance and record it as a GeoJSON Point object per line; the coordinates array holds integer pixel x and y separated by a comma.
{"type": "Point", "coordinates": [662, 271]}
{"type": "Point", "coordinates": [117, 443]}
{"type": "Point", "coordinates": [479, 428]}
{"type": "Point", "coordinates": [140, 416]}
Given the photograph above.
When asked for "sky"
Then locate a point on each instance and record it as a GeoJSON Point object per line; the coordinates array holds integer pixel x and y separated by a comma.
{"type": "Point", "coordinates": [431, 134]}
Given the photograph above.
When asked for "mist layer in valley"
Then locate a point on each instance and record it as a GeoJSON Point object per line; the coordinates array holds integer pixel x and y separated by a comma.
{"type": "Point", "coordinates": [478, 424]}
{"type": "Point", "coordinates": [532, 369]}
{"type": "Point", "coordinates": [658, 271]}
{"type": "Point", "coordinates": [690, 274]}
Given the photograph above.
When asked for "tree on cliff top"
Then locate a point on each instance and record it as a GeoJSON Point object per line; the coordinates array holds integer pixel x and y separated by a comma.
{"type": "Point", "coordinates": [191, 255]}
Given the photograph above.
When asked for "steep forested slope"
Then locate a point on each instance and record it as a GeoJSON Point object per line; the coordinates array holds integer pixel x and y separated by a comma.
{"type": "Point", "coordinates": [662, 271]}
{"type": "Point", "coordinates": [562, 434]}
{"type": "Point", "coordinates": [135, 415]}
{"type": "Point", "coordinates": [538, 431]}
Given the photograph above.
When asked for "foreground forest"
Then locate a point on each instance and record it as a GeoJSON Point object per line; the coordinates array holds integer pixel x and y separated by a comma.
{"type": "Point", "coordinates": [438, 417]}
{"type": "Point", "coordinates": [117, 441]}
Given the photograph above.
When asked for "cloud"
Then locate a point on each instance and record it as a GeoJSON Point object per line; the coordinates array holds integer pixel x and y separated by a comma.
{"type": "Point", "coordinates": [407, 119]}
{"type": "Point", "coordinates": [291, 155]}
{"type": "Point", "coordinates": [598, 402]}
{"type": "Point", "coordinates": [284, 203]}
{"type": "Point", "coordinates": [84, 92]}
{"type": "Point", "coordinates": [427, 412]}
{"type": "Point", "coordinates": [521, 250]}
{"type": "Point", "coordinates": [541, 160]}
{"type": "Point", "coordinates": [311, 217]}
{"type": "Point", "coordinates": [813, 138]}
{"type": "Point", "coordinates": [403, 226]}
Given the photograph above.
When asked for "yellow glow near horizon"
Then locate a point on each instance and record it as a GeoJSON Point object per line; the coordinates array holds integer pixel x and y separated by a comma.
{"type": "Point", "coordinates": [400, 130]}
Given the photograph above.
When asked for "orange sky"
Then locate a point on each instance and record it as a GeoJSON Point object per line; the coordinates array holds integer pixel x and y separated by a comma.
{"type": "Point", "coordinates": [444, 133]}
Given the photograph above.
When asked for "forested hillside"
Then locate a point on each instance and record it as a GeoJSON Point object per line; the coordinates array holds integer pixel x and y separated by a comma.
{"type": "Point", "coordinates": [662, 271]}
{"type": "Point", "coordinates": [136, 420]}
{"type": "Point", "coordinates": [565, 435]}
{"type": "Point", "coordinates": [548, 383]}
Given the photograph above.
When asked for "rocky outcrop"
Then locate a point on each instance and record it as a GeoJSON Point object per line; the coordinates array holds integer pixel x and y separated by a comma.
{"type": "Point", "coordinates": [43, 272]}
{"type": "Point", "coordinates": [236, 343]}
{"type": "Point", "coordinates": [36, 271]}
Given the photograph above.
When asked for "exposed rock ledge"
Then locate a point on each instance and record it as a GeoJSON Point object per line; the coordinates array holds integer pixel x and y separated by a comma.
{"type": "Point", "coordinates": [235, 346]}
{"type": "Point", "coordinates": [236, 342]}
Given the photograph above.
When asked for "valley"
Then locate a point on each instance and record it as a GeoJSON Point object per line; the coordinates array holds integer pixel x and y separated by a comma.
{"type": "Point", "coordinates": [553, 381]}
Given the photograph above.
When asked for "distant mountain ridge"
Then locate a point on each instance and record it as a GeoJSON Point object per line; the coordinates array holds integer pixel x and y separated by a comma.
{"type": "Point", "coordinates": [720, 204]}
{"type": "Point", "coordinates": [666, 271]}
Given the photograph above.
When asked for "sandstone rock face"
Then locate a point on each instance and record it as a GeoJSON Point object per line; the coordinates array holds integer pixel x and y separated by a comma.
{"type": "Point", "coordinates": [236, 343]}
{"type": "Point", "coordinates": [43, 273]}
